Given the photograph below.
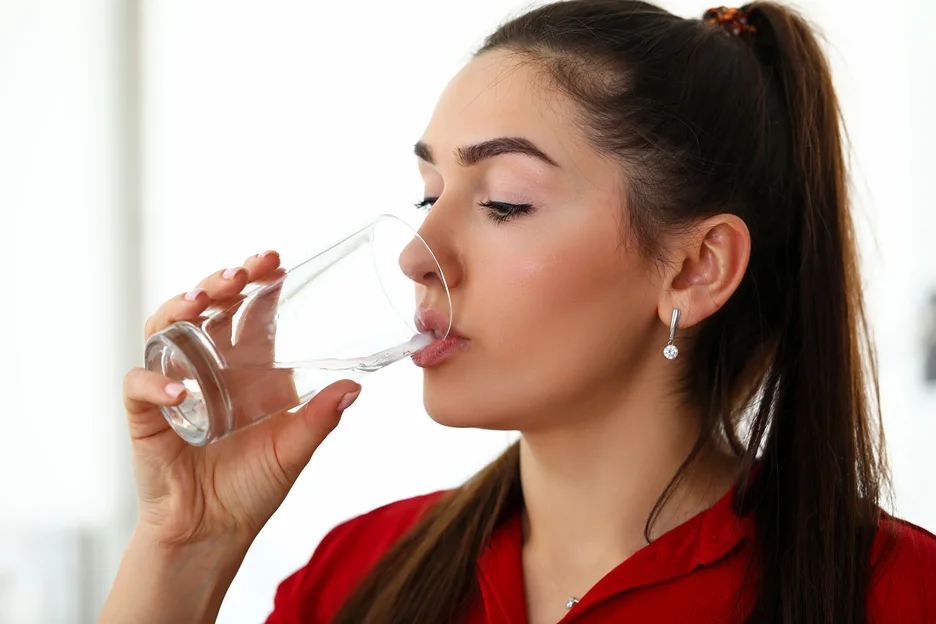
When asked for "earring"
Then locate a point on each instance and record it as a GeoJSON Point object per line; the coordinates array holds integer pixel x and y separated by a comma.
{"type": "Point", "coordinates": [670, 351]}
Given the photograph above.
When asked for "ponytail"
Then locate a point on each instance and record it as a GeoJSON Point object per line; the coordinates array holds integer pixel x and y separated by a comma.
{"type": "Point", "coordinates": [823, 461]}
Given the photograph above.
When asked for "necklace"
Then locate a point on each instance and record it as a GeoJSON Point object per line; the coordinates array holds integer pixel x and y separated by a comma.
{"type": "Point", "coordinates": [571, 602]}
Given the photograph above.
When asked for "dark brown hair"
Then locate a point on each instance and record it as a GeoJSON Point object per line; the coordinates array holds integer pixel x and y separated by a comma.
{"type": "Point", "coordinates": [703, 123]}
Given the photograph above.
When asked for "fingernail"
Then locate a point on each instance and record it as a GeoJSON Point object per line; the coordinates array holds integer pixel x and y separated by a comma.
{"type": "Point", "coordinates": [347, 400]}
{"type": "Point", "coordinates": [174, 390]}
{"type": "Point", "coordinates": [264, 254]}
{"type": "Point", "coordinates": [230, 273]}
{"type": "Point", "coordinates": [192, 295]}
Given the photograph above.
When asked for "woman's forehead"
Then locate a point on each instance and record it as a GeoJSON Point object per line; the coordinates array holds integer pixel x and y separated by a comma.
{"type": "Point", "coordinates": [504, 94]}
{"type": "Point", "coordinates": [501, 94]}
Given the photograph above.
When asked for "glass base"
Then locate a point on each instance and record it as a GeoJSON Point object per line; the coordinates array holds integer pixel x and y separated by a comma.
{"type": "Point", "coordinates": [184, 352]}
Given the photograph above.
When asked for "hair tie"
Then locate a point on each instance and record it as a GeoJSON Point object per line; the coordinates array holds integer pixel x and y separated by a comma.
{"type": "Point", "coordinates": [733, 20]}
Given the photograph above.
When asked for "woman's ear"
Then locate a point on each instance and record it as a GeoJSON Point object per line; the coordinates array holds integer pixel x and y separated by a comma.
{"type": "Point", "coordinates": [710, 262]}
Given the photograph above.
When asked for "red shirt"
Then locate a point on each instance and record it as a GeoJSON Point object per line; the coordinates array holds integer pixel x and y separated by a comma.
{"type": "Point", "coordinates": [692, 573]}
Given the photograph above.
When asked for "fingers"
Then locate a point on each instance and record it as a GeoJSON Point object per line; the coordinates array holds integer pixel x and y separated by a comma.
{"type": "Point", "coordinates": [258, 325]}
{"type": "Point", "coordinates": [260, 265]}
{"type": "Point", "coordinates": [219, 286]}
{"type": "Point", "coordinates": [144, 392]}
{"type": "Point", "coordinates": [184, 307]}
{"type": "Point", "coordinates": [297, 436]}
{"type": "Point", "coordinates": [226, 283]}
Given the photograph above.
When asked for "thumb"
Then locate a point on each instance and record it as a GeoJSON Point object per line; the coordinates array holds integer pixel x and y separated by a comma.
{"type": "Point", "coordinates": [296, 436]}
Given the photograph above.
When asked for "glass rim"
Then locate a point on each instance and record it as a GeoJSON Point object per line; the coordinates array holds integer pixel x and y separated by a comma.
{"type": "Point", "coordinates": [448, 294]}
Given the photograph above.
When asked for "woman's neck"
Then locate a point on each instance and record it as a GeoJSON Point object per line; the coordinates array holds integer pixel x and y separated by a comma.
{"type": "Point", "coordinates": [590, 487]}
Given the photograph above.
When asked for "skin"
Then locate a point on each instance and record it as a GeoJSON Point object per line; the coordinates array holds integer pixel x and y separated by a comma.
{"type": "Point", "coordinates": [565, 329]}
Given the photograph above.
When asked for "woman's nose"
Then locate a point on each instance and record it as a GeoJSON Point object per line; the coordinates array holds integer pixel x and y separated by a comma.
{"type": "Point", "coordinates": [423, 262]}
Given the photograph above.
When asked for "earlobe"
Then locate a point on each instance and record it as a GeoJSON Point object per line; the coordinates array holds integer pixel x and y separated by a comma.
{"type": "Point", "coordinates": [714, 259]}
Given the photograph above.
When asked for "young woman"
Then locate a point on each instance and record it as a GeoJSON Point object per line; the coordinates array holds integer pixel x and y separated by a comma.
{"type": "Point", "coordinates": [620, 180]}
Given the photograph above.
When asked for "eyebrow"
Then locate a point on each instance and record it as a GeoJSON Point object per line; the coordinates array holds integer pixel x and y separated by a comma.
{"type": "Point", "coordinates": [467, 155]}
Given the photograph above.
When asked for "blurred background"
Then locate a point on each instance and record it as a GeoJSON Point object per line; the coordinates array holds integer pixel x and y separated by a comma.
{"type": "Point", "coordinates": [144, 144]}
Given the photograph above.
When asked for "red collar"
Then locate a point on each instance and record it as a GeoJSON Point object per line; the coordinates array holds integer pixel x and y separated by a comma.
{"type": "Point", "coordinates": [701, 540]}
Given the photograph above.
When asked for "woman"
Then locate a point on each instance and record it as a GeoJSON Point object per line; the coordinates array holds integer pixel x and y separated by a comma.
{"type": "Point", "coordinates": [618, 179]}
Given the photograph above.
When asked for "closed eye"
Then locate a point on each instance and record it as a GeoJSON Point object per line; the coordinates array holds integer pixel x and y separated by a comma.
{"type": "Point", "coordinates": [496, 211]}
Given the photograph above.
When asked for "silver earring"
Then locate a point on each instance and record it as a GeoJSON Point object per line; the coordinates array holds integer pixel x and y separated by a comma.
{"type": "Point", "coordinates": [670, 351]}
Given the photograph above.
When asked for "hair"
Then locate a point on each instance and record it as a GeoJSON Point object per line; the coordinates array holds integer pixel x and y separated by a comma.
{"type": "Point", "coordinates": [703, 123]}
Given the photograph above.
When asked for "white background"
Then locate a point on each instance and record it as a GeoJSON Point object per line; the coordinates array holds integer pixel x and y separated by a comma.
{"type": "Point", "coordinates": [145, 144]}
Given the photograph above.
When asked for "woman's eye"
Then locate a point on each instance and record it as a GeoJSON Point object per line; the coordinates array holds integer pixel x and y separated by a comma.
{"type": "Point", "coordinates": [426, 203]}
{"type": "Point", "coordinates": [497, 211]}
{"type": "Point", "coordinates": [500, 211]}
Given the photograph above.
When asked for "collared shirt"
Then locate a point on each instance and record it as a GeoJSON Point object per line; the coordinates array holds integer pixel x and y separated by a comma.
{"type": "Point", "coordinates": [692, 573]}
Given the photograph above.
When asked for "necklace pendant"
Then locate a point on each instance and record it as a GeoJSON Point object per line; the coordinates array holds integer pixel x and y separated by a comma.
{"type": "Point", "coordinates": [571, 602]}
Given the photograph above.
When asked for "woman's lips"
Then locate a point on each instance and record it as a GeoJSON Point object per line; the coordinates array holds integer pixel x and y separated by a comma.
{"type": "Point", "coordinates": [431, 319]}
{"type": "Point", "coordinates": [439, 351]}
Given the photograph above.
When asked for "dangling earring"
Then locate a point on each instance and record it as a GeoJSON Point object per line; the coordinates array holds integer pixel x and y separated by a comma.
{"type": "Point", "coordinates": [670, 351]}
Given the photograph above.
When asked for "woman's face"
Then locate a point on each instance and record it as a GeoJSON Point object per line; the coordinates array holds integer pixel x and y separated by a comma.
{"type": "Point", "coordinates": [558, 312]}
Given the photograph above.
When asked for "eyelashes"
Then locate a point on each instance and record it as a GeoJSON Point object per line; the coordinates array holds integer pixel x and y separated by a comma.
{"type": "Point", "coordinates": [499, 212]}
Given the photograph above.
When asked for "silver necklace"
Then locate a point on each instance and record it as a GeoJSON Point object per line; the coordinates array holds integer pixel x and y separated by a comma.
{"type": "Point", "coordinates": [571, 602]}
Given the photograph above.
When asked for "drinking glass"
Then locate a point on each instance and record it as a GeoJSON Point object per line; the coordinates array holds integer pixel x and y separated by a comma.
{"type": "Point", "coordinates": [344, 313]}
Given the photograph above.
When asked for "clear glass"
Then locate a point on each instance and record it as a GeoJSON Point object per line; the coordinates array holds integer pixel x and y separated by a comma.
{"type": "Point", "coordinates": [346, 312]}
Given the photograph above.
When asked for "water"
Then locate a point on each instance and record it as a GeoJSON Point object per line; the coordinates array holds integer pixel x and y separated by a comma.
{"type": "Point", "coordinates": [367, 364]}
{"type": "Point", "coordinates": [223, 400]}
{"type": "Point", "coordinates": [310, 376]}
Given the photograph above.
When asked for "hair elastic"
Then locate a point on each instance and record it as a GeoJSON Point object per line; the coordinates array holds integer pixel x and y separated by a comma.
{"type": "Point", "coordinates": [735, 21]}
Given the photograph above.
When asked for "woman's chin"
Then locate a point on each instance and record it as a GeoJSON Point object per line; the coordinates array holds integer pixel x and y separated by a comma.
{"type": "Point", "coordinates": [464, 417]}
{"type": "Point", "coordinates": [457, 419]}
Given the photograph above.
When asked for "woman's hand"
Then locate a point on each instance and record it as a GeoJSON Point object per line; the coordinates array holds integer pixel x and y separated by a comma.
{"type": "Point", "coordinates": [222, 493]}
